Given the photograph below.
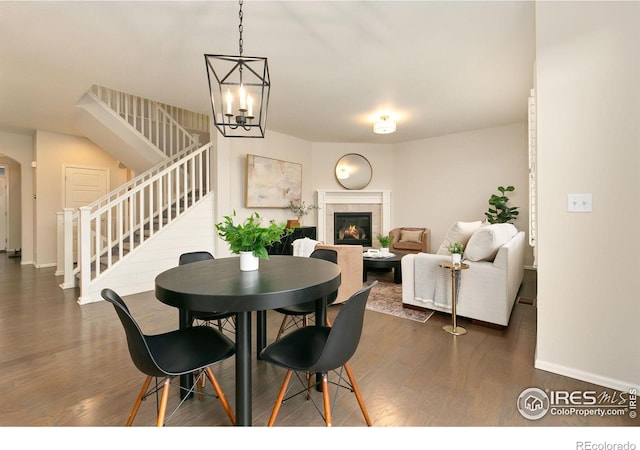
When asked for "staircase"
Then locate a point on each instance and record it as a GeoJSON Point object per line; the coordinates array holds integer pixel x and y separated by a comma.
{"type": "Point", "coordinates": [138, 132]}
{"type": "Point", "coordinates": [97, 243]}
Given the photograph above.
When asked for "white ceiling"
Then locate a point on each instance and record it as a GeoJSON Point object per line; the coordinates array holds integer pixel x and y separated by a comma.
{"type": "Point", "coordinates": [441, 67]}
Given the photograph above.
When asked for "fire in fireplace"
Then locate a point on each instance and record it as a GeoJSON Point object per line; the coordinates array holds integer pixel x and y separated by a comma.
{"type": "Point", "coordinates": [352, 228]}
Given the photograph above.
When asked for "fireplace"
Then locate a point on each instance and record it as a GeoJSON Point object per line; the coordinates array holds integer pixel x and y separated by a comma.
{"type": "Point", "coordinates": [352, 228]}
{"type": "Point", "coordinates": [378, 203]}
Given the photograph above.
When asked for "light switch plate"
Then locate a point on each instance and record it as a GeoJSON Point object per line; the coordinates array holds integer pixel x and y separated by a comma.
{"type": "Point", "coordinates": [579, 203]}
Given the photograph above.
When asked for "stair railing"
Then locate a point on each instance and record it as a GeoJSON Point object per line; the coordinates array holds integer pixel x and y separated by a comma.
{"type": "Point", "coordinates": [149, 118]}
{"type": "Point", "coordinates": [114, 225]}
{"type": "Point", "coordinates": [68, 233]}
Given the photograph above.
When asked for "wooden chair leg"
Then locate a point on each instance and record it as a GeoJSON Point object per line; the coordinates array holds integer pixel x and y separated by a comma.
{"type": "Point", "coordinates": [221, 396]}
{"type": "Point", "coordinates": [310, 377]}
{"type": "Point", "coordinates": [136, 405]}
{"type": "Point", "coordinates": [356, 391]}
{"type": "Point", "coordinates": [283, 389]}
{"type": "Point", "coordinates": [282, 325]}
{"type": "Point", "coordinates": [325, 400]}
{"type": "Point", "coordinates": [163, 402]}
{"type": "Point", "coordinates": [199, 384]}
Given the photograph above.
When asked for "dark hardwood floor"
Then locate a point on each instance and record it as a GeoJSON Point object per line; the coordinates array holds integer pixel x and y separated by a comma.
{"type": "Point", "coordinates": [63, 365]}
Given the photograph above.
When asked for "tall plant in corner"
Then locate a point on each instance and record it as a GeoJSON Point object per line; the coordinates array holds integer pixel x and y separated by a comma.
{"type": "Point", "coordinates": [499, 211]}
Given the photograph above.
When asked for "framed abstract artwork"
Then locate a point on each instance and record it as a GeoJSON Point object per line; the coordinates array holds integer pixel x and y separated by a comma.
{"type": "Point", "coordinates": [272, 183]}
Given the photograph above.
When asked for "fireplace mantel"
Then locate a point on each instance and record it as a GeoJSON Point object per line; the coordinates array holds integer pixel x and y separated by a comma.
{"type": "Point", "coordinates": [381, 197]}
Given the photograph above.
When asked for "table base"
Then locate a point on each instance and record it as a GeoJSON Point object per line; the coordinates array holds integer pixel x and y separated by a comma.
{"type": "Point", "coordinates": [457, 331]}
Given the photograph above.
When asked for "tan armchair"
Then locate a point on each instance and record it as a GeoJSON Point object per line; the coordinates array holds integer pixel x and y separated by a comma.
{"type": "Point", "coordinates": [410, 240]}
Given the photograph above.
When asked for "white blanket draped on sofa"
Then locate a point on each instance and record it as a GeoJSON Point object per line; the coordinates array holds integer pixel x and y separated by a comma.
{"type": "Point", "coordinates": [304, 246]}
{"type": "Point", "coordinates": [432, 282]}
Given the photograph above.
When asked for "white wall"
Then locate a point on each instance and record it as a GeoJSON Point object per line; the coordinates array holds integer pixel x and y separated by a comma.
{"type": "Point", "coordinates": [52, 152]}
{"type": "Point", "coordinates": [588, 99]}
{"type": "Point", "coordinates": [434, 182]}
{"type": "Point", "coordinates": [326, 155]}
{"type": "Point", "coordinates": [19, 147]}
{"type": "Point", "coordinates": [231, 160]}
{"type": "Point", "coordinates": [422, 193]}
{"type": "Point", "coordinates": [445, 179]}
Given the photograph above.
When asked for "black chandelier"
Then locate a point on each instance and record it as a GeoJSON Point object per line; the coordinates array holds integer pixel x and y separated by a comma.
{"type": "Point", "coordinates": [239, 88]}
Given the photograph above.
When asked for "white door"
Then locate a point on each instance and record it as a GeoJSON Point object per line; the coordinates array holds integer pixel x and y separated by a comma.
{"type": "Point", "coordinates": [83, 185]}
{"type": "Point", "coordinates": [3, 213]}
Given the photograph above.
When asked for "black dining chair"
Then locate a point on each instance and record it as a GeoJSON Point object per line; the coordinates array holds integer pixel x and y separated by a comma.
{"type": "Point", "coordinates": [298, 315]}
{"type": "Point", "coordinates": [168, 355]}
{"type": "Point", "coordinates": [224, 321]}
{"type": "Point", "coordinates": [320, 350]}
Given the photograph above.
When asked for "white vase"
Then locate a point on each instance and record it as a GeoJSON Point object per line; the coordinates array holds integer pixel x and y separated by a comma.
{"type": "Point", "coordinates": [248, 262]}
{"type": "Point", "coordinates": [384, 249]}
{"type": "Point", "coordinates": [456, 258]}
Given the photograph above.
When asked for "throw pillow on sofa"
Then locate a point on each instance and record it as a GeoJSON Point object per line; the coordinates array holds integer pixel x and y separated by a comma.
{"type": "Point", "coordinates": [459, 232]}
{"type": "Point", "coordinates": [485, 242]}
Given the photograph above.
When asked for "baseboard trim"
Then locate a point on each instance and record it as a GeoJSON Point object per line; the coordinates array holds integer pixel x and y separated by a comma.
{"type": "Point", "coordinates": [588, 377]}
{"type": "Point", "coordinates": [482, 323]}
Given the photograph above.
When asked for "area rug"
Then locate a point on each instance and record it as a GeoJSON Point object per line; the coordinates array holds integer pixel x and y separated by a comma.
{"type": "Point", "coordinates": [386, 298]}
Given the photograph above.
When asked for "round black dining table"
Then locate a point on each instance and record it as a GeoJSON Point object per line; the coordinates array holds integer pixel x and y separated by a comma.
{"type": "Point", "coordinates": [218, 285]}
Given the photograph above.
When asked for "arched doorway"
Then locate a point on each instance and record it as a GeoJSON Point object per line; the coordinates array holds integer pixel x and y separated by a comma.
{"type": "Point", "coordinates": [10, 205]}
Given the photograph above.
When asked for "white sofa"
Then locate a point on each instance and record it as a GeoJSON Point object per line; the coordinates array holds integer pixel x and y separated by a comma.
{"type": "Point", "coordinates": [487, 290]}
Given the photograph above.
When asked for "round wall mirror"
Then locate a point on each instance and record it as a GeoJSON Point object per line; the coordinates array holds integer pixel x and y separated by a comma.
{"type": "Point", "coordinates": [353, 171]}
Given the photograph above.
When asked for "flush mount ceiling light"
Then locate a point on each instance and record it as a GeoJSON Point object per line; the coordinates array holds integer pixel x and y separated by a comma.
{"type": "Point", "coordinates": [384, 125]}
{"type": "Point", "coordinates": [239, 88]}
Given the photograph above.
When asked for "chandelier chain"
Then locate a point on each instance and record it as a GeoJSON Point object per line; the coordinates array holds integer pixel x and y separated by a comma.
{"type": "Point", "coordinates": [244, 112]}
{"type": "Point", "coordinates": [240, 41]}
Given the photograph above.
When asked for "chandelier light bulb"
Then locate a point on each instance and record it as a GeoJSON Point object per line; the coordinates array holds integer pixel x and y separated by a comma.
{"type": "Point", "coordinates": [243, 96]}
{"type": "Point", "coordinates": [249, 106]}
{"type": "Point", "coordinates": [229, 102]}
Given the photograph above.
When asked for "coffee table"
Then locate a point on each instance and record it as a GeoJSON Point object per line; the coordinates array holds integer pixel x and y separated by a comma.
{"type": "Point", "coordinates": [392, 262]}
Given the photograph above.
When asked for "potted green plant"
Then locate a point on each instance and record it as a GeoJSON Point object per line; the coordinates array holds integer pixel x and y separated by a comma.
{"type": "Point", "coordinates": [249, 239]}
{"type": "Point", "coordinates": [456, 250]}
{"type": "Point", "coordinates": [385, 242]}
{"type": "Point", "coordinates": [499, 211]}
{"type": "Point", "coordinates": [300, 209]}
